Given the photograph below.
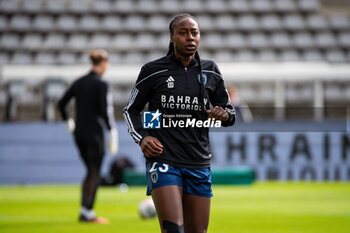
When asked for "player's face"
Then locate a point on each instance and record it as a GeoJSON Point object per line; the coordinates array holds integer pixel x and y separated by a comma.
{"type": "Point", "coordinates": [186, 37]}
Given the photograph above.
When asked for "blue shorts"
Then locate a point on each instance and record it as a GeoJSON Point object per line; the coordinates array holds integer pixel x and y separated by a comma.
{"type": "Point", "coordinates": [193, 181]}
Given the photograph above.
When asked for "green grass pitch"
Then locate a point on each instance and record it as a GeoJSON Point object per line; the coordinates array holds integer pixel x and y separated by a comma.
{"type": "Point", "coordinates": [260, 208]}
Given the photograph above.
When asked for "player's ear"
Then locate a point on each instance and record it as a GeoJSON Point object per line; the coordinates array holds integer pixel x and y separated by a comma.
{"type": "Point", "coordinates": [172, 38]}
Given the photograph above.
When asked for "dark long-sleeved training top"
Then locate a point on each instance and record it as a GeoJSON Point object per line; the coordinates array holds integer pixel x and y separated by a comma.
{"type": "Point", "coordinates": [174, 90]}
{"type": "Point", "coordinates": [93, 105]}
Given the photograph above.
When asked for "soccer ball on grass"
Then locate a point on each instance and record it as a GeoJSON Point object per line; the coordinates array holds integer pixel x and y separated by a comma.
{"type": "Point", "coordinates": [147, 209]}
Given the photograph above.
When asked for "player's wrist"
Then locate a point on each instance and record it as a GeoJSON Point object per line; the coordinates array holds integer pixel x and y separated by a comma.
{"type": "Point", "coordinates": [140, 142]}
{"type": "Point", "coordinates": [226, 116]}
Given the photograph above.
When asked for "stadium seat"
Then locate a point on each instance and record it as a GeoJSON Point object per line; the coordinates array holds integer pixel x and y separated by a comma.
{"type": "Point", "coordinates": [66, 23]}
{"type": "Point", "coordinates": [316, 22]}
{"type": "Point", "coordinates": [312, 55]}
{"type": "Point", "coordinates": [303, 40]}
{"type": "Point", "coordinates": [271, 22]}
{"type": "Point", "coordinates": [100, 41]}
{"type": "Point", "coordinates": [153, 55]}
{"type": "Point", "coordinates": [205, 54]}
{"type": "Point", "coordinates": [134, 23]}
{"type": "Point", "coordinates": [20, 23]}
{"type": "Point", "coordinates": [265, 92]}
{"type": "Point", "coordinates": [309, 5]}
{"type": "Point", "coordinates": [77, 42]}
{"type": "Point", "coordinates": [212, 41]}
{"type": "Point", "coordinates": [115, 58]}
{"type": "Point", "coordinates": [335, 56]}
{"type": "Point", "coordinates": [9, 41]}
{"type": "Point", "coordinates": [344, 39]}
{"type": "Point", "coordinates": [89, 23]}
{"type": "Point", "coordinates": [83, 58]}
{"type": "Point", "coordinates": [43, 23]}
{"type": "Point", "coordinates": [122, 42]}
{"type": "Point", "coordinates": [205, 22]}
{"type": "Point", "coordinates": [145, 41]}
{"type": "Point", "coordinates": [235, 41]}
{"type": "Point", "coordinates": [124, 6]}
{"type": "Point", "coordinates": [298, 92]}
{"type": "Point", "coordinates": [111, 23]}
{"type": "Point", "coordinates": [147, 7]}
{"type": "Point", "coordinates": [9, 7]}
{"type": "Point", "coordinates": [21, 58]}
{"type": "Point", "coordinates": [239, 6]}
{"type": "Point", "coordinates": [45, 58]}
{"type": "Point", "coordinates": [32, 42]}
{"type": "Point", "coordinates": [280, 40]}
{"type": "Point", "coordinates": [193, 6]}
{"type": "Point", "coordinates": [169, 6]}
{"type": "Point", "coordinates": [4, 58]}
{"type": "Point", "coordinates": [54, 41]}
{"type": "Point", "coordinates": [348, 57]}
{"type": "Point", "coordinates": [162, 41]}
{"type": "Point", "coordinates": [289, 55]}
{"type": "Point", "coordinates": [333, 92]}
{"type": "Point", "coordinates": [55, 6]}
{"type": "Point", "coordinates": [285, 6]}
{"type": "Point", "coordinates": [78, 6]}
{"type": "Point", "coordinates": [325, 40]}
{"type": "Point", "coordinates": [293, 22]}
{"type": "Point", "coordinates": [247, 92]}
{"type": "Point", "coordinates": [248, 22]}
{"type": "Point", "coordinates": [258, 41]}
{"type": "Point", "coordinates": [223, 56]}
{"type": "Point", "coordinates": [262, 6]}
{"type": "Point", "coordinates": [31, 6]}
{"type": "Point", "coordinates": [133, 57]}
{"type": "Point", "coordinates": [120, 96]}
{"type": "Point", "coordinates": [216, 7]}
{"type": "Point", "coordinates": [66, 58]}
{"type": "Point", "coordinates": [3, 23]}
{"type": "Point", "coordinates": [157, 23]}
{"type": "Point", "coordinates": [245, 55]}
{"type": "Point", "coordinates": [224, 22]}
{"type": "Point", "coordinates": [101, 6]}
{"type": "Point", "coordinates": [339, 22]}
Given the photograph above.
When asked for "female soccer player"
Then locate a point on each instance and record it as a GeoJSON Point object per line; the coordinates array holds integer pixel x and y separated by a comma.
{"type": "Point", "coordinates": [179, 87]}
{"type": "Point", "coordinates": [93, 105]}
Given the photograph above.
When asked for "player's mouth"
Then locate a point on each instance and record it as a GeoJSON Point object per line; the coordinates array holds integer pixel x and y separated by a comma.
{"type": "Point", "coordinates": [191, 47]}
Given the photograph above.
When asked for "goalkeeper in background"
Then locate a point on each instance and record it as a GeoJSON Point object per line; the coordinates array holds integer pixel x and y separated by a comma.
{"type": "Point", "coordinates": [93, 106]}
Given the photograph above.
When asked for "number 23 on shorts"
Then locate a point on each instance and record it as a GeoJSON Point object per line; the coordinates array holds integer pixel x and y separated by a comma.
{"type": "Point", "coordinates": [164, 168]}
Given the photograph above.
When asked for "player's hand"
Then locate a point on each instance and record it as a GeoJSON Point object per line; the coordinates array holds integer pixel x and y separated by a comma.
{"type": "Point", "coordinates": [151, 147]}
{"type": "Point", "coordinates": [218, 113]}
{"type": "Point", "coordinates": [70, 124]}
{"type": "Point", "coordinates": [113, 141]}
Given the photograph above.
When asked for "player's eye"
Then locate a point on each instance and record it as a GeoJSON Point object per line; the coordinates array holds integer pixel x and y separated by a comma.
{"type": "Point", "coordinates": [195, 33]}
{"type": "Point", "coordinates": [182, 33]}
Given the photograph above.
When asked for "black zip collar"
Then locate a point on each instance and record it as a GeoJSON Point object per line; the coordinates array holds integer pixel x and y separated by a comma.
{"type": "Point", "coordinates": [94, 74]}
{"type": "Point", "coordinates": [179, 62]}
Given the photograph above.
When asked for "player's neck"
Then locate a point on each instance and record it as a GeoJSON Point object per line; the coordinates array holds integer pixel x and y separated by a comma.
{"type": "Point", "coordinates": [186, 60]}
{"type": "Point", "coordinates": [98, 70]}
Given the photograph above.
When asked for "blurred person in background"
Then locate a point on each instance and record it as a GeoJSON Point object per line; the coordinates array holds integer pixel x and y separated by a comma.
{"type": "Point", "coordinates": [243, 113]}
{"type": "Point", "coordinates": [178, 158]}
{"type": "Point", "coordinates": [94, 111]}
